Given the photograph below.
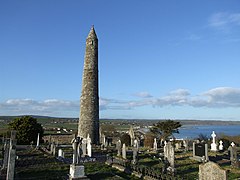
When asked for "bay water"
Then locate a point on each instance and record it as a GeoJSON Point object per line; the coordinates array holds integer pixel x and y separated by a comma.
{"type": "Point", "coordinates": [192, 131]}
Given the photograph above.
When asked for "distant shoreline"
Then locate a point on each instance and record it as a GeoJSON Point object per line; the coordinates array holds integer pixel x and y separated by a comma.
{"type": "Point", "coordinates": [131, 121]}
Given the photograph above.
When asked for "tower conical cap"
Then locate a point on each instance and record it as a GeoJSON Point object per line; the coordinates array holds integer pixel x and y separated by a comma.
{"type": "Point", "coordinates": [92, 34]}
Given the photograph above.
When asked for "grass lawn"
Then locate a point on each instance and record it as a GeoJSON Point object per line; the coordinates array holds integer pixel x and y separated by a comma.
{"type": "Point", "coordinates": [43, 166]}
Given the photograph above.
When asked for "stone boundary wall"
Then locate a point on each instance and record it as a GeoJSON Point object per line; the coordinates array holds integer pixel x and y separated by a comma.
{"type": "Point", "coordinates": [59, 138]}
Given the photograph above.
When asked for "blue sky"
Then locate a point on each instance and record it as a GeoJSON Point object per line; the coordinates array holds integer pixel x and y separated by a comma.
{"type": "Point", "coordinates": [157, 60]}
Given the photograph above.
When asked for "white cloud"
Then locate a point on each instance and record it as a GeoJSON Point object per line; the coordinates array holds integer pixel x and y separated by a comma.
{"type": "Point", "coordinates": [214, 98]}
{"type": "Point", "coordinates": [143, 95]}
{"type": "Point", "coordinates": [224, 21]}
{"type": "Point", "coordinates": [29, 106]}
{"type": "Point", "coordinates": [223, 96]}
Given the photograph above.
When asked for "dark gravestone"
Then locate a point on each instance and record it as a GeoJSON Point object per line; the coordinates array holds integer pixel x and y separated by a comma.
{"type": "Point", "coordinates": [200, 149]}
{"type": "Point", "coordinates": [200, 152]}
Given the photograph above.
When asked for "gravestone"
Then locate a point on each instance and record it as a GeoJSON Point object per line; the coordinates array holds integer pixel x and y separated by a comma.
{"type": "Point", "coordinates": [220, 145]}
{"type": "Point", "coordinates": [119, 147]}
{"type": "Point", "coordinates": [211, 171]}
{"type": "Point", "coordinates": [12, 156]}
{"type": "Point", "coordinates": [169, 153]}
{"type": "Point", "coordinates": [213, 144]}
{"type": "Point", "coordinates": [135, 152]}
{"type": "Point", "coordinates": [37, 146]}
{"type": "Point", "coordinates": [233, 156]}
{"type": "Point", "coordinates": [177, 146]}
{"type": "Point", "coordinates": [155, 144]}
{"type": "Point", "coordinates": [185, 144]}
{"type": "Point", "coordinates": [84, 147]}
{"type": "Point", "coordinates": [5, 153]}
{"type": "Point", "coordinates": [89, 148]}
{"type": "Point", "coordinates": [60, 153]}
{"type": "Point", "coordinates": [76, 169]}
{"type": "Point", "coordinates": [131, 134]}
{"type": "Point", "coordinates": [200, 152]}
{"type": "Point", "coordinates": [124, 156]}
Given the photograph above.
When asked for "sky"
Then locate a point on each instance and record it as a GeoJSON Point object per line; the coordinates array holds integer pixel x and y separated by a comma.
{"type": "Point", "coordinates": [159, 59]}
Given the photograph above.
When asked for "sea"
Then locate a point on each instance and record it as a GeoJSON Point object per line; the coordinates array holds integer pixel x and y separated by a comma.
{"type": "Point", "coordinates": [193, 131]}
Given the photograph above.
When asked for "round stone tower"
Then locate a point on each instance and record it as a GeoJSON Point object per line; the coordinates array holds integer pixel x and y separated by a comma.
{"type": "Point", "coordinates": [89, 102]}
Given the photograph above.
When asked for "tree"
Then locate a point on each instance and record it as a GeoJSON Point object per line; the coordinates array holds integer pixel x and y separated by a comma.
{"type": "Point", "coordinates": [108, 129]}
{"type": "Point", "coordinates": [125, 139]}
{"type": "Point", "coordinates": [166, 128]}
{"type": "Point", "coordinates": [27, 129]}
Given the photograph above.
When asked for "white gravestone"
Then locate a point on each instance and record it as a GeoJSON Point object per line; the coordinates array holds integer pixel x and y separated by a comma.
{"type": "Point", "coordinates": [60, 153]}
{"type": "Point", "coordinates": [124, 156]}
{"type": "Point", "coordinates": [220, 145]}
{"type": "Point", "coordinates": [155, 144]}
{"type": "Point", "coordinates": [89, 147]}
{"type": "Point", "coordinates": [213, 144]}
{"type": "Point", "coordinates": [135, 144]}
{"type": "Point", "coordinates": [38, 141]}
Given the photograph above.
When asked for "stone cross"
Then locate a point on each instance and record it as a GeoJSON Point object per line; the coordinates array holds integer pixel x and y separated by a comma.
{"type": "Point", "coordinates": [213, 144]}
{"type": "Point", "coordinates": [220, 145]}
{"type": "Point", "coordinates": [232, 144]}
{"type": "Point", "coordinates": [124, 156]}
{"type": "Point", "coordinates": [76, 144]}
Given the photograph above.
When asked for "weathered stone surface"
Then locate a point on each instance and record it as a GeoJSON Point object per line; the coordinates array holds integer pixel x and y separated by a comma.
{"type": "Point", "coordinates": [89, 103]}
{"type": "Point", "coordinates": [76, 172]}
{"type": "Point", "coordinates": [211, 171]}
{"type": "Point", "coordinates": [169, 153]}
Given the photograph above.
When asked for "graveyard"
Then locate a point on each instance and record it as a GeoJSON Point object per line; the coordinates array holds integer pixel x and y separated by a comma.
{"type": "Point", "coordinates": [117, 158]}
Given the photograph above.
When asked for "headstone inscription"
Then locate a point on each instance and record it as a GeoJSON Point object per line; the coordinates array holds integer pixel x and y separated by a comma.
{"type": "Point", "coordinates": [211, 171]}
